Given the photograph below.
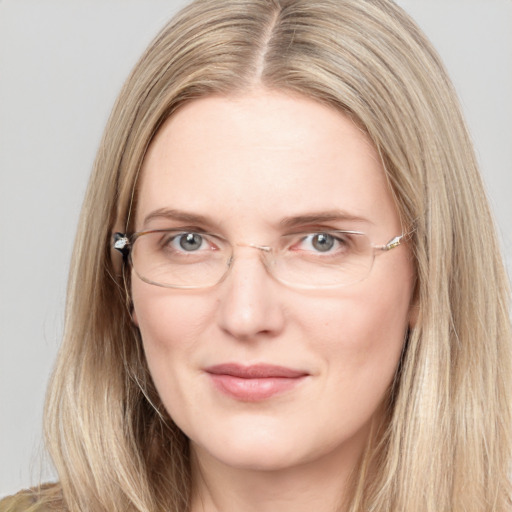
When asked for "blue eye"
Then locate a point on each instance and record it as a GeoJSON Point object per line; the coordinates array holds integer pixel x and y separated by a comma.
{"type": "Point", "coordinates": [333, 244]}
{"type": "Point", "coordinates": [322, 242]}
{"type": "Point", "coordinates": [189, 241]}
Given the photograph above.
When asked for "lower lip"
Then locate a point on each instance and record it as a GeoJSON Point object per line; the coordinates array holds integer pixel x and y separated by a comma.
{"type": "Point", "coordinates": [254, 389]}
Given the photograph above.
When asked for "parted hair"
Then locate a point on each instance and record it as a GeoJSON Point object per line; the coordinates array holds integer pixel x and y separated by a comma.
{"type": "Point", "coordinates": [445, 445]}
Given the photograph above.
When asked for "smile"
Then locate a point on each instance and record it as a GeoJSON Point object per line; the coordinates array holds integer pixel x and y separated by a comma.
{"type": "Point", "coordinates": [254, 383]}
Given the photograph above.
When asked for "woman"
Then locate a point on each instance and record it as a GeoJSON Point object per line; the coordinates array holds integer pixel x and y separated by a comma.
{"type": "Point", "coordinates": [286, 287]}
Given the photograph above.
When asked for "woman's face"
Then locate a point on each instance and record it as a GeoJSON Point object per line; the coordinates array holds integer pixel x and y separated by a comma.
{"type": "Point", "coordinates": [258, 374]}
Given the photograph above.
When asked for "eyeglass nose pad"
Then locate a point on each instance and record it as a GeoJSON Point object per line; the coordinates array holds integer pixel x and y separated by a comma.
{"type": "Point", "coordinates": [266, 257]}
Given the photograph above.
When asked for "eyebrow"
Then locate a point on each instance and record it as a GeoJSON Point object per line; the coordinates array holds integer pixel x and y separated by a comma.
{"type": "Point", "coordinates": [172, 214]}
{"type": "Point", "coordinates": [285, 223]}
{"type": "Point", "coordinates": [321, 217]}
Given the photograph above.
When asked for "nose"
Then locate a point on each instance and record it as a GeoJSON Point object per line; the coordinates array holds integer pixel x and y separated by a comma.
{"type": "Point", "coordinates": [250, 300]}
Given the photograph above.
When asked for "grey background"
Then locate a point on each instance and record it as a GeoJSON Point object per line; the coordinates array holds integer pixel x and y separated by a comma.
{"type": "Point", "coordinates": [62, 63]}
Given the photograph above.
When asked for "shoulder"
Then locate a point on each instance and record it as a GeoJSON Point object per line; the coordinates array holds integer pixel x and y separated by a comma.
{"type": "Point", "coordinates": [21, 502]}
{"type": "Point", "coordinates": [45, 498]}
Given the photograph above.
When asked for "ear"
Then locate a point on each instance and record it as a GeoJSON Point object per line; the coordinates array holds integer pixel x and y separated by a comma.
{"type": "Point", "coordinates": [117, 256]}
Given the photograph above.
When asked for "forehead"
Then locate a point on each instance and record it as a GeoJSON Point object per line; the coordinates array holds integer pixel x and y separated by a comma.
{"type": "Point", "coordinates": [260, 157]}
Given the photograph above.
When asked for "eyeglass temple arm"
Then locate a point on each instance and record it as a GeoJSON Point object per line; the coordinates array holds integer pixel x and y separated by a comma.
{"type": "Point", "coordinates": [394, 242]}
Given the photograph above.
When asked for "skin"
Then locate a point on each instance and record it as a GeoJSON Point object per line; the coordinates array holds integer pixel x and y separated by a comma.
{"type": "Point", "coordinates": [245, 163]}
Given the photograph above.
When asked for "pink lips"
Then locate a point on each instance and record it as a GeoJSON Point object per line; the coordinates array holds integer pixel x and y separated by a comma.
{"type": "Point", "coordinates": [254, 383]}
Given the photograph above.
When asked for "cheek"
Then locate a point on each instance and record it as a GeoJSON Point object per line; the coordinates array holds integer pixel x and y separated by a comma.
{"type": "Point", "coordinates": [166, 318]}
{"type": "Point", "coordinates": [360, 322]}
{"type": "Point", "coordinates": [170, 325]}
{"type": "Point", "coordinates": [361, 337]}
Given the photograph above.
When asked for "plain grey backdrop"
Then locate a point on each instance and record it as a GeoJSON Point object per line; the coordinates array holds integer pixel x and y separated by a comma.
{"type": "Point", "coordinates": [62, 63]}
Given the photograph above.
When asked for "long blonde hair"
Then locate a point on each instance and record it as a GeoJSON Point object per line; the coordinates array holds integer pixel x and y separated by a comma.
{"type": "Point", "coordinates": [446, 446]}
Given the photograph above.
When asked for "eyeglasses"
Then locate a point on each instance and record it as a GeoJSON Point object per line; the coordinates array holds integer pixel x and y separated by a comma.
{"type": "Point", "coordinates": [175, 258]}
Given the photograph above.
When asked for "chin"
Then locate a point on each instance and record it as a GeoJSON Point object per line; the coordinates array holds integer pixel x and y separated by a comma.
{"type": "Point", "coordinates": [254, 451]}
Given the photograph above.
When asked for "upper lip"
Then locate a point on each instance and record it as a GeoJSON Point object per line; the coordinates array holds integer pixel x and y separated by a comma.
{"type": "Point", "coordinates": [255, 371]}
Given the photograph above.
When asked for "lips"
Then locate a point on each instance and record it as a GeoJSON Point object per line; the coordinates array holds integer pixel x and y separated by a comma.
{"type": "Point", "coordinates": [255, 382]}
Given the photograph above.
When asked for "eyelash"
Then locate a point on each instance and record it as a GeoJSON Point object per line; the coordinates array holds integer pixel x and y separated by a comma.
{"type": "Point", "coordinates": [338, 241]}
{"type": "Point", "coordinates": [303, 237]}
{"type": "Point", "coordinates": [177, 235]}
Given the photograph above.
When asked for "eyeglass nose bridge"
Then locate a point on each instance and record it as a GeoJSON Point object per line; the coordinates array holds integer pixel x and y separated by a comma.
{"type": "Point", "coordinates": [265, 249]}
